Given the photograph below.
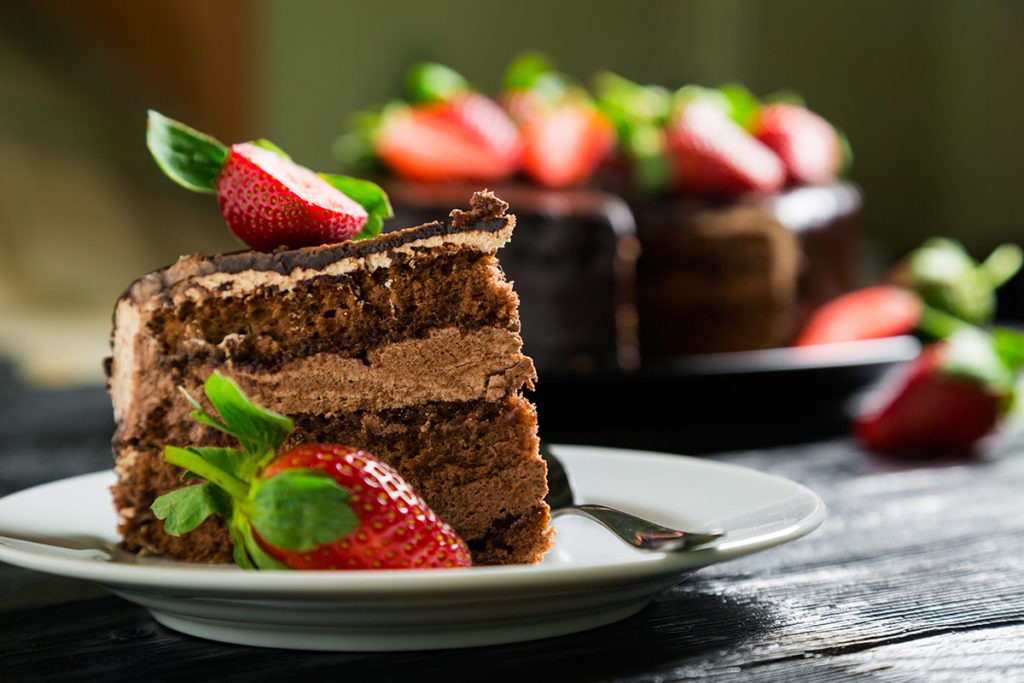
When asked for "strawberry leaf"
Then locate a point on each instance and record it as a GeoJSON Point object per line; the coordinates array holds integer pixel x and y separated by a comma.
{"type": "Point", "coordinates": [972, 354]}
{"type": "Point", "coordinates": [743, 105]}
{"type": "Point", "coordinates": [238, 464]}
{"type": "Point", "coordinates": [184, 509]}
{"type": "Point", "coordinates": [259, 430]}
{"type": "Point", "coordinates": [429, 81]}
{"type": "Point", "coordinates": [1002, 264]}
{"type": "Point", "coordinates": [522, 73]}
{"type": "Point", "coordinates": [367, 194]}
{"type": "Point", "coordinates": [1009, 344]}
{"type": "Point", "coordinates": [301, 509]}
{"type": "Point", "coordinates": [190, 158]}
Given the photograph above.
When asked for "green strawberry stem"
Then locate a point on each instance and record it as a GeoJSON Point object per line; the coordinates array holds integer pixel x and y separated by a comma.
{"type": "Point", "coordinates": [194, 463]}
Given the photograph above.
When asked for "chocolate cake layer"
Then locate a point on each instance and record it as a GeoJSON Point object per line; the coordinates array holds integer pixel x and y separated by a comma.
{"type": "Point", "coordinates": [406, 345]}
{"type": "Point", "coordinates": [573, 263]}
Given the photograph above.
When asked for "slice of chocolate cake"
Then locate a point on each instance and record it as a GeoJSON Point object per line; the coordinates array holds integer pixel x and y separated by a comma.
{"type": "Point", "coordinates": [406, 345]}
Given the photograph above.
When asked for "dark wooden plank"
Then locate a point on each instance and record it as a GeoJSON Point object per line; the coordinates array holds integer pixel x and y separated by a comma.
{"type": "Point", "coordinates": [915, 575]}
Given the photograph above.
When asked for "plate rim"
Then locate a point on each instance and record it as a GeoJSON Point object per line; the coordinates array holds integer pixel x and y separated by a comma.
{"type": "Point", "coordinates": [231, 582]}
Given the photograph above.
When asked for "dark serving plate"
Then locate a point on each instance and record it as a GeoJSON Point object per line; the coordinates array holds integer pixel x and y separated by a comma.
{"type": "Point", "coordinates": [718, 402]}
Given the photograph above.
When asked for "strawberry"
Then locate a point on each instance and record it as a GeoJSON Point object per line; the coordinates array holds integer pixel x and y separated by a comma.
{"type": "Point", "coordinates": [808, 145]}
{"type": "Point", "coordinates": [318, 506]}
{"type": "Point", "coordinates": [466, 137]}
{"type": "Point", "coordinates": [293, 205]}
{"type": "Point", "coordinates": [868, 313]}
{"type": "Point", "coordinates": [715, 156]}
{"type": "Point", "coordinates": [945, 401]}
{"type": "Point", "coordinates": [266, 199]}
{"type": "Point", "coordinates": [564, 143]}
{"type": "Point", "coordinates": [565, 136]}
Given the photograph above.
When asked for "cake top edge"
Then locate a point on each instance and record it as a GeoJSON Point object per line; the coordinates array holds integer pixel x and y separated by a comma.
{"type": "Point", "coordinates": [487, 218]}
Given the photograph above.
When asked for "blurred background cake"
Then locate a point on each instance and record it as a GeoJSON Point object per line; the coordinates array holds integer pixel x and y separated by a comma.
{"type": "Point", "coordinates": [654, 223]}
{"type": "Point", "coordinates": [929, 106]}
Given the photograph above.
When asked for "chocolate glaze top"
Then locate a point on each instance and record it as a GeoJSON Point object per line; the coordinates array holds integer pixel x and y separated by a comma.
{"type": "Point", "coordinates": [487, 214]}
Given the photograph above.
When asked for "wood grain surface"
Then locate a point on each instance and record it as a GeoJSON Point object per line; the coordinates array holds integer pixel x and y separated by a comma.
{"type": "Point", "coordinates": [916, 575]}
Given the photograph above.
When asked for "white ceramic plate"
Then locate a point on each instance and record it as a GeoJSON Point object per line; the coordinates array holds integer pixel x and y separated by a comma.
{"type": "Point", "coordinates": [589, 579]}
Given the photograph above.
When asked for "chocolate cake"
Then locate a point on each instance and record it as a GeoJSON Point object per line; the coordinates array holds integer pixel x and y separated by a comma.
{"type": "Point", "coordinates": [743, 274]}
{"type": "Point", "coordinates": [611, 283]}
{"type": "Point", "coordinates": [406, 345]}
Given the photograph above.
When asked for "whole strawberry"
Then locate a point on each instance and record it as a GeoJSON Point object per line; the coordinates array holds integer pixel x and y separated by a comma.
{"type": "Point", "coordinates": [318, 506]}
{"type": "Point", "coordinates": [948, 399]}
{"type": "Point", "coordinates": [810, 148]}
{"type": "Point", "coordinates": [267, 200]}
{"type": "Point", "coordinates": [714, 156]}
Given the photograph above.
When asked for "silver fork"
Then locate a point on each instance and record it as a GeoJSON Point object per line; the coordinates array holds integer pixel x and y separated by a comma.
{"type": "Point", "coordinates": [636, 531]}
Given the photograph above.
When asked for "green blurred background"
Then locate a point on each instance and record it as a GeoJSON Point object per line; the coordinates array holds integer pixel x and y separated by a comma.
{"type": "Point", "coordinates": [930, 93]}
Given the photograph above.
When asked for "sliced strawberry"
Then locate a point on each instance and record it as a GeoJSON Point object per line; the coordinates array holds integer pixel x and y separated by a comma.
{"type": "Point", "coordinates": [467, 138]}
{"type": "Point", "coordinates": [807, 144]}
{"type": "Point", "coordinates": [269, 201]}
{"type": "Point", "coordinates": [315, 507]}
{"type": "Point", "coordinates": [563, 144]}
{"type": "Point", "coordinates": [868, 313]}
{"type": "Point", "coordinates": [714, 156]}
{"type": "Point", "coordinates": [928, 410]}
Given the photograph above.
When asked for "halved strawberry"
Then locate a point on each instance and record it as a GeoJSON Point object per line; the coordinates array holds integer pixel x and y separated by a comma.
{"type": "Point", "coordinates": [266, 199]}
{"type": "Point", "coordinates": [565, 136]}
{"type": "Point", "coordinates": [948, 399]}
{"type": "Point", "coordinates": [318, 506]}
{"type": "Point", "coordinates": [808, 145]}
{"type": "Point", "coordinates": [868, 313]}
{"type": "Point", "coordinates": [467, 137]}
{"type": "Point", "coordinates": [269, 201]}
{"type": "Point", "coordinates": [714, 156]}
{"type": "Point", "coordinates": [564, 143]}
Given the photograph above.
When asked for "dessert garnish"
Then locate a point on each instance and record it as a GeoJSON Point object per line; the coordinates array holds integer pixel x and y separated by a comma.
{"type": "Point", "coordinates": [871, 312]}
{"type": "Point", "coordinates": [719, 142]}
{"type": "Point", "coordinates": [712, 155]}
{"type": "Point", "coordinates": [565, 136]}
{"type": "Point", "coordinates": [934, 290]}
{"type": "Point", "coordinates": [446, 131]}
{"type": "Point", "coordinates": [963, 384]}
{"type": "Point", "coordinates": [809, 147]}
{"type": "Point", "coordinates": [267, 200]}
{"type": "Point", "coordinates": [317, 506]}
{"type": "Point", "coordinates": [944, 402]}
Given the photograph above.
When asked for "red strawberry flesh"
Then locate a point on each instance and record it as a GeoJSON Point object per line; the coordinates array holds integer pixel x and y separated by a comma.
{"type": "Point", "coordinates": [714, 156]}
{"type": "Point", "coordinates": [563, 145]}
{"type": "Point", "coordinates": [470, 138]}
{"type": "Point", "coordinates": [269, 201]}
{"type": "Point", "coordinates": [807, 144]}
{"type": "Point", "coordinates": [869, 313]}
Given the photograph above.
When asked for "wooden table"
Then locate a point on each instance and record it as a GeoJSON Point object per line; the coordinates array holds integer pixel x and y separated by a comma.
{"type": "Point", "coordinates": [917, 574]}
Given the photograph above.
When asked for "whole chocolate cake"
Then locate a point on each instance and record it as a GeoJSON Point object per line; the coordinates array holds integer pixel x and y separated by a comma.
{"type": "Point", "coordinates": [661, 223]}
{"type": "Point", "coordinates": [406, 345]}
